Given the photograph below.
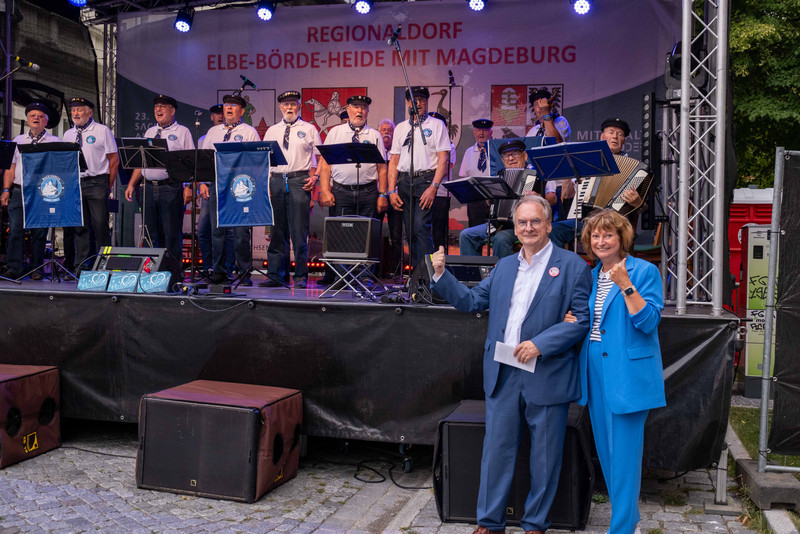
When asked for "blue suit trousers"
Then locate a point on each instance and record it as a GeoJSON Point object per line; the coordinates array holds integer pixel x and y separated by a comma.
{"type": "Point", "coordinates": [506, 411]}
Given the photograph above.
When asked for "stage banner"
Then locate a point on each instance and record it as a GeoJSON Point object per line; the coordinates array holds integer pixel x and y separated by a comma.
{"type": "Point", "coordinates": [596, 66]}
{"type": "Point", "coordinates": [243, 188]}
{"type": "Point", "coordinates": [51, 190]}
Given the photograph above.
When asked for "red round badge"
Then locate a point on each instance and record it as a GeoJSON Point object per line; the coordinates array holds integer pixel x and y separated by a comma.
{"type": "Point", "coordinates": [554, 271]}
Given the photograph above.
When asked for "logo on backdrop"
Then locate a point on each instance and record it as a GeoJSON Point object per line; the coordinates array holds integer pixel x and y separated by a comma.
{"type": "Point", "coordinates": [511, 112]}
{"type": "Point", "coordinates": [242, 188]}
{"type": "Point", "coordinates": [445, 100]}
{"type": "Point", "coordinates": [321, 107]}
{"type": "Point", "coordinates": [51, 188]}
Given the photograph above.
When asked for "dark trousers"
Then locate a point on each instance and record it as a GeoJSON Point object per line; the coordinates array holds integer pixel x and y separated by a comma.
{"type": "Point", "coordinates": [16, 236]}
{"type": "Point", "coordinates": [291, 207]}
{"type": "Point", "coordinates": [419, 234]}
{"type": "Point", "coordinates": [363, 202]}
{"type": "Point", "coordinates": [440, 222]}
{"type": "Point", "coordinates": [242, 249]}
{"type": "Point", "coordinates": [204, 238]}
{"type": "Point", "coordinates": [94, 190]}
{"type": "Point", "coordinates": [163, 216]}
{"type": "Point", "coordinates": [394, 257]}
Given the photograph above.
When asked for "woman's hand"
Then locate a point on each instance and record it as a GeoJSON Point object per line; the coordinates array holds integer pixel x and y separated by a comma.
{"type": "Point", "coordinates": [569, 318]}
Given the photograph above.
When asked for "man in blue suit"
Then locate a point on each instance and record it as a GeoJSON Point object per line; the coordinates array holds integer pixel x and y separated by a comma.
{"type": "Point", "coordinates": [528, 295]}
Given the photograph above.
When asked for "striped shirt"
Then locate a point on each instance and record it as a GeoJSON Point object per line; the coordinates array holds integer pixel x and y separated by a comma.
{"type": "Point", "coordinates": [604, 285]}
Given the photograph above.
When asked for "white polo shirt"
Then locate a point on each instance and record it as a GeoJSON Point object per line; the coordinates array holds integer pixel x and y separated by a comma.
{"type": "Point", "coordinates": [345, 173]}
{"type": "Point", "coordinates": [98, 143]}
{"type": "Point", "coordinates": [303, 140]}
{"type": "Point", "coordinates": [25, 139]}
{"type": "Point", "coordinates": [469, 163]}
{"type": "Point", "coordinates": [242, 133]}
{"type": "Point", "coordinates": [442, 191]}
{"type": "Point", "coordinates": [178, 138]}
{"type": "Point", "coordinates": [425, 158]}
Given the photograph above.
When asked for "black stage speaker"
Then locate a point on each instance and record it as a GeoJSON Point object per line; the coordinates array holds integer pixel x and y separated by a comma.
{"type": "Point", "coordinates": [134, 258]}
{"type": "Point", "coordinates": [219, 439]}
{"type": "Point", "coordinates": [30, 420]}
{"type": "Point", "coordinates": [469, 270]}
{"type": "Point", "coordinates": [457, 465]}
{"type": "Point", "coordinates": [351, 238]}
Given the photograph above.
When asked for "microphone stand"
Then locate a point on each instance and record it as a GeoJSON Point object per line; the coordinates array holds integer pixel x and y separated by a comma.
{"type": "Point", "coordinates": [414, 119]}
{"type": "Point", "coordinates": [194, 199]}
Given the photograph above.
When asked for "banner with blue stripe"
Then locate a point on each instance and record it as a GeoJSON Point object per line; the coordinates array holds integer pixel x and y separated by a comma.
{"type": "Point", "coordinates": [51, 190]}
{"type": "Point", "coordinates": [243, 189]}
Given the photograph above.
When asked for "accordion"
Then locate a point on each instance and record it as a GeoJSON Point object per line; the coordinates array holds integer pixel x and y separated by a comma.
{"type": "Point", "coordinates": [521, 181]}
{"type": "Point", "coordinates": [601, 192]}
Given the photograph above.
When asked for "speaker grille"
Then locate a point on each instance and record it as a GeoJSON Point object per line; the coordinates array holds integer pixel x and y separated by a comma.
{"type": "Point", "coordinates": [351, 238]}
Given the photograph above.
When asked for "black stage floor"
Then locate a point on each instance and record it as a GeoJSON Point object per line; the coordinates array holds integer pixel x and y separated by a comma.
{"type": "Point", "coordinates": [368, 370]}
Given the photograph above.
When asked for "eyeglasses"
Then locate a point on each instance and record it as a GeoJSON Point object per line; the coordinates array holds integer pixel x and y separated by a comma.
{"type": "Point", "coordinates": [511, 155]}
{"type": "Point", "coordinates": [531, 223]}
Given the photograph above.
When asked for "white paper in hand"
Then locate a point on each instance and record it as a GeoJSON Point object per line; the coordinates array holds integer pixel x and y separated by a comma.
{"type": "Point", "coordinates": [504, 353]}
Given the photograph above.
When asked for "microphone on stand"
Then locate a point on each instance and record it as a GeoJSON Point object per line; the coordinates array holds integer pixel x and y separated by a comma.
{"type": "Point", "coordinates": [452, 81]}
{"type": "Point", "coordinates": [395, 36]}
{"type": "Point", "coordinates": [197, 113]}
{"type": "Point", "coordinates": [25, 63]}
{"type": "Point", "coordinates": [248, 83]}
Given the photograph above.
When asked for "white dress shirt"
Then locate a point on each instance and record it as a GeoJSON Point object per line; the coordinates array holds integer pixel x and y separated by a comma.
{"type": "Point", "coordinates": [525, 285]}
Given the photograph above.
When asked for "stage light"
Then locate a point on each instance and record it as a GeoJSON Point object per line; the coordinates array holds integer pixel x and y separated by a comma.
{"type": "Point", "coordinates": [363, 6]}
{"type": "Point", "coordinates": [183, 20]}
{"type": "Point", "coordinates": [476, 5]}
{"type": "Point", "coordinates": [581, 7]}
{"type": "Point", "coordinates": [265, 10]}
{"type": "Point", "coordinates": [78, 3]}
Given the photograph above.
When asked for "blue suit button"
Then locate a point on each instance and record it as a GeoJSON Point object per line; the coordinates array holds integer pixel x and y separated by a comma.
{"type": "Point", "coordinates": [605, 355]}
{"type": "Point", "coordinates": [603, 331]}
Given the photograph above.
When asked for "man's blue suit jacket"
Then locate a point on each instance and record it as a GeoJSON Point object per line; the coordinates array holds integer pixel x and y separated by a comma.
{"type": "Point", "coordinates": [565, 286]}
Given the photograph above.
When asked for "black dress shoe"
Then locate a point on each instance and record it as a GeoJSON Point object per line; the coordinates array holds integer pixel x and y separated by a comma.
{"type": "Point", "coordinates": [218, 278]}
{"type": "Point", "coordinates": [300, 284]}
{"type": "Point", "coordinates": [9, 274]}
{"type": "Point", "coordinates": [36, 275]}
{"type": "Point", "coordinates": [269, 282]}
{"type": "Point", "coordinates": [247, 282]}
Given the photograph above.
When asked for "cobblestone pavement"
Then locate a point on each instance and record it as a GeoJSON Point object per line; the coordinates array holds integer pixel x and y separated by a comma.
{"type": "Point", "coordinates": [88, 485]}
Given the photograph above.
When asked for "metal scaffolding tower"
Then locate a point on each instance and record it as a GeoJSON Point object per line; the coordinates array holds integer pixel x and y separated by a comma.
{"type": "Point", "coordinates": [695, 134]}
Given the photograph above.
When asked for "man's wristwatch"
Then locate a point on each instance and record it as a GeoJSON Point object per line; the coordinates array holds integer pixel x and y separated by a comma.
{"type": "Point", "coordinates": [629, 291]}
{"type": "Point", "coordinates": [435, 185]}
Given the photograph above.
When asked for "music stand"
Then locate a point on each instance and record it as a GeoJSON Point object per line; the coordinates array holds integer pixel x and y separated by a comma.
{"type": "Point", "coordinates": [55, 147]}
{"type": "Point", "coordinates": [351, 153]}
{"type": "Point", "coordinates": [475, 188]}
{"type": "Point", "coordinates": [142, 153]}
{"type": "Point", "coordinates": [574, 160]}
{"type": "Point", "coordinates": [180, 165]}
{"type": "Point", "coordinates": [276, 157]}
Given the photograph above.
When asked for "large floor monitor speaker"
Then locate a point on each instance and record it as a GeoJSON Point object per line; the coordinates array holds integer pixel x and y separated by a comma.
{"type": "Point", "coordinates": [469, 270]}
{"type": "Point", "coordinates": [458, 461]}
{"type": "Point", "coordinates": [30, 420]}
{"type": "Point", "coordinates": [219, 439]}
{"type": "Point", "coordinates": [351, 238]}
{"type": "Point", "coordinates": [133, 259]}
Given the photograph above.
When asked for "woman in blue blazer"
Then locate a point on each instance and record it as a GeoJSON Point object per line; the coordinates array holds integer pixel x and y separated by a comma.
{"type": "Point", "coordinates": [620, 360]}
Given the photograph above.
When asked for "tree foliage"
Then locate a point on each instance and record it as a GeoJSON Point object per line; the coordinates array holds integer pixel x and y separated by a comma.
{"type": "Point", "coordinates": [765, 63]}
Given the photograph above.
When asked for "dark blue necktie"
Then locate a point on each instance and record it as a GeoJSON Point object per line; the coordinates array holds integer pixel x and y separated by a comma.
{"type": "Point", "coordinates": [482, 159]}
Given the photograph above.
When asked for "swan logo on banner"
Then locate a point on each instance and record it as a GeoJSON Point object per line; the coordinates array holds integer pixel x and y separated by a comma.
{"type": "Point", "coordinates": [51, 188]}
{"type": "Point", "coordinates": [242, 188]}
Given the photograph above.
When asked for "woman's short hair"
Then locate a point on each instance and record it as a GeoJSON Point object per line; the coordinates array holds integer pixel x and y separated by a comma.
{"type": "Point", "coordinates": [607, 219]}
{"type": "Point", "coordinates": [548, 211]}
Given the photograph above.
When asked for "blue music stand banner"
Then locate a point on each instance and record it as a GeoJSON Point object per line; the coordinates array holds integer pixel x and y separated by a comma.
{"type": "Point", "coordinates": [51, 189]}
{"type": "Point", "coordinates": [243, 188]}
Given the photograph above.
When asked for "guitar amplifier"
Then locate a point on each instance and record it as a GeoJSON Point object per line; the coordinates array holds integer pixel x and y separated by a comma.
{"type": "Point", "coordinates": [351, 238]}
{"type": "Point", "coordinates": [457, 465]}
